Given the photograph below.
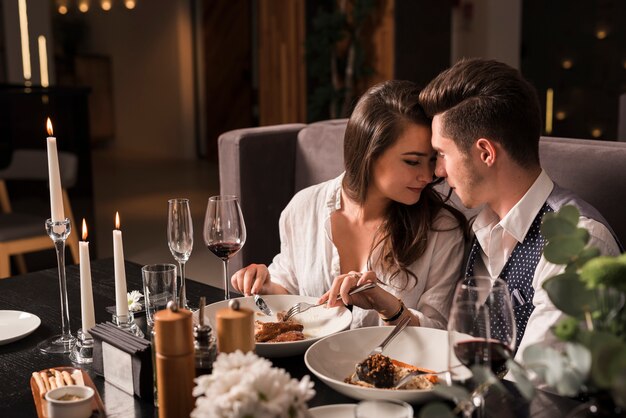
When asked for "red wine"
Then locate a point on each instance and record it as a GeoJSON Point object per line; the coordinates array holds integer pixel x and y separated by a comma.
{"type": "Point", "coordinates": [224, 250]}
{"type": "Point", "coordinates": [482, 352]}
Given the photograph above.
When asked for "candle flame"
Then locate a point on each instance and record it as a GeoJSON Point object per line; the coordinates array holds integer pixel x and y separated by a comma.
{"type": "Point", "coordinates": [117, 220]}
{"type": "Point", "coordinates": [84, 230]}
{"type": "Point", "coordinates": [49, 126]}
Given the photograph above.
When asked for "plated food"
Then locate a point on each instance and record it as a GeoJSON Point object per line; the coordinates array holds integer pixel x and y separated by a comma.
{"type": "Point", "coordinates": [426, 348]}
{"type": "Point", "coordinates": [316, 323]}
{"type": "Point", "coordinates": [380, 371]}
{"type": "Point", "coordinates": [278, 332]}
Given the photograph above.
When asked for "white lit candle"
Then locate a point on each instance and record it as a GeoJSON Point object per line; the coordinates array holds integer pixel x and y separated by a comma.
{"type": "Point", "coordinates": [86, 294]}
{"type": "Point", "coordinates": [56, 194]}
{"type": "Point", "coordinates": [121, 299]}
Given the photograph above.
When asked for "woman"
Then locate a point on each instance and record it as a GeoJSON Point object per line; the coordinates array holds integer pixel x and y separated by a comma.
{"type": "Point", "coordinates": [380, 217]}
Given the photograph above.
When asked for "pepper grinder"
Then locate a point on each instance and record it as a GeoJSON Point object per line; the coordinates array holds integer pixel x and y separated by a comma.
{"type": "Point", "coordinates": [174, 361]}
{"type": "Point", "coordinates": [235, 328]}
{"type": "Point", "coordinates": [206, 350]}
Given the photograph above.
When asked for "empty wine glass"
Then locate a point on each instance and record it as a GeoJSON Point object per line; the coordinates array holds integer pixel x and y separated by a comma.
{"type": "Point", "coordinates": [481, 330]}
{"type": "Point", "coordinates": [224, 230]}
{"type": "Point", "coordinates": [180, 240]}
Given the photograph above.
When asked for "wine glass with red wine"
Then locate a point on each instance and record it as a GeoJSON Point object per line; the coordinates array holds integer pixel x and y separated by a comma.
{"type": "Point", "coordinates": [482, 327]}
{"type": "Point", "coordinates": [224, 230]}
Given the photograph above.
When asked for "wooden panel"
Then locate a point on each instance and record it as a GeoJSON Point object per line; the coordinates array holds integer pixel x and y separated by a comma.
{"type": "Point", "coordinates": [282, 87]}
{"type": "Point", "coordinates": [228, 68]}
{"type": "Point", "coordinates": [379, 40]}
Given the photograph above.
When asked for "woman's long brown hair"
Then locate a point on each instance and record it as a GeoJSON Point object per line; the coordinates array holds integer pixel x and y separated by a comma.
{"type": "Point", "coordinates": [379, 118]}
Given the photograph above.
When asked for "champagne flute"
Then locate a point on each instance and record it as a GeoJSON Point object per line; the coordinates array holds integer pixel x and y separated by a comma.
{"type": "Point", "coordinates": [180, 241]}
{"type": "Point", "coordinates": [224, 230]}
{"type": "Point", "coordinates": [481, 330]}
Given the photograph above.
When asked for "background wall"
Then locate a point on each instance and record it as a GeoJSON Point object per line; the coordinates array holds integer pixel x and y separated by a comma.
{"type": "Point", "coordinates": [151, 54]}
{"type": "Point", "coordinates": [488, 29]}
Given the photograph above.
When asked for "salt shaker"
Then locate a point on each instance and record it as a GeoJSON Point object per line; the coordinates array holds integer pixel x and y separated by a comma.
{"type": "Point", "coordinates": [174, 361]}
{"type": "Point", "coordinates": [235, 328]}
{"type": "Point", "coordinates": [204, 345]}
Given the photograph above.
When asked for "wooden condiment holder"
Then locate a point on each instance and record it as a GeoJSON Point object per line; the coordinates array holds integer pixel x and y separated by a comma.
{"type": "Point", "coordinates": [235, 328]}
{"type": "Point", "coordinates": [174, 354]}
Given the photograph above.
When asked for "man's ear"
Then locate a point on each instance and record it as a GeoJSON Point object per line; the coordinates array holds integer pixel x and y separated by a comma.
{"type": "Point", "coordinates": [487, 151]}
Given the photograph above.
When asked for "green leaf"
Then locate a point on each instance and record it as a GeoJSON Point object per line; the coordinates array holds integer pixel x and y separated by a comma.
{"type": "Point", "coordinates": [618, 388]}
{"type": "Point", "coordinates": [580, 358]}
{"type": "Point", "coordinates": [521, 379]}
{"type": "Point", "coordinates": [546, 362]}
{"type": "Point", "coordinates": [570, 213]}
{"type": "Point", "coordinates": [485, 377]}
{"type": "Point", "coordinates": [604, 271]}
{"type": "Point", "coordinates": [608, 354]}
{"type": "Point", "coordinates": [566, 329]}
{"type": "Point", "coordinates": [436, 409]}
{"type": "Point", "coordinates": [555, 227]}
{"type": "Point", "coordinates": [585, 255]}
{"type": "Point", "coordinates": [561, 250]}
{"type": "Point", "coordinates": [569, 294]}
{"type": "Point", "coordinates": [455, 393]}
{"type": "Point", "coordinates": [570, 383]}
{"type": "Point", "coordinates": [582, 234]}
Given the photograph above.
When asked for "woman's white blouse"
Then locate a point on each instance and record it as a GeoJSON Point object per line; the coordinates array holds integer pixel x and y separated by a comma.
{"type": "Point", "coordinates": [308, 260]}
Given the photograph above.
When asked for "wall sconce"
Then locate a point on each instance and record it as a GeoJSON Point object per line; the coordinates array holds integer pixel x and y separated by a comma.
{"type": "Point", "coordinates": [567, 64]}
{"type": "Point", "coordinates": [560, 115]}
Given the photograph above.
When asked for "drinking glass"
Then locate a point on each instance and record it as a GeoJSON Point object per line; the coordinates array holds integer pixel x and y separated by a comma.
{"type": "Point", "coordinates": [481, 330]}
{"type": "Point", "coordinates": [180, 240]}
{"type": "Point", "coordinates": [224, 230]}
{"type": "Point", "coordinates": [159, 287]}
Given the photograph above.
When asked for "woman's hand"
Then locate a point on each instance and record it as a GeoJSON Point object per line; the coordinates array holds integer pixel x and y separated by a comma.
{"type": "Point", "coordinates": [377, 298]}
{"type": "Point", "coordinates": [253, 279]}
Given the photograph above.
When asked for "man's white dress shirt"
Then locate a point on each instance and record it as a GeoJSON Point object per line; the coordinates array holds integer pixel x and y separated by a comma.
{"type": "Point", "coordinates": [498, 238]}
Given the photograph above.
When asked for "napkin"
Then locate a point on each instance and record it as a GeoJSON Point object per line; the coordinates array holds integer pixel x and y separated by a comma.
{"type": "Point", "coordinates": [124, 359]}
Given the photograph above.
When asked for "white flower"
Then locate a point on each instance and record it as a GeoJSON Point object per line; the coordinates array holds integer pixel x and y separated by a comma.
{"type": "Point", "coordinates": [133, 300]}
{"type": "Point", "coordinates": [245, 385]}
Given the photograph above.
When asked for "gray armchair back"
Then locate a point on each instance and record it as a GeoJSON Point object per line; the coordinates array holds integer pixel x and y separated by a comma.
{"type": "Point", "coordinates": [266, 166]}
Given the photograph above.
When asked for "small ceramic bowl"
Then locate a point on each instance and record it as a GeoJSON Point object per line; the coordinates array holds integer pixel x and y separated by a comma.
{"type": "Point", "coordinates": [70, 402]}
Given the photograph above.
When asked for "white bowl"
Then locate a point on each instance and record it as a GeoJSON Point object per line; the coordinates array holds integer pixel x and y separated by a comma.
{"type": "Point", "coordinates": [318, 322]}
{"type": "Point", "coordinates": [79, 408]}
{"type": "Point", "coordinates": [334, 358]}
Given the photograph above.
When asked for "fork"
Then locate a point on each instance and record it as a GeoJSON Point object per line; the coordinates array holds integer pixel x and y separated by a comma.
{"type": "Point", "coordinates": [300, 307]}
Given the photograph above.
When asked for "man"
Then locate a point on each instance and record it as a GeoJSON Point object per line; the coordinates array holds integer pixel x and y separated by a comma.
{"type": "Point", "coordinates": [486, 129]}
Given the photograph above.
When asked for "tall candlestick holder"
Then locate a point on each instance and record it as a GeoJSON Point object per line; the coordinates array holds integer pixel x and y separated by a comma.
{"type": "Point", "coordinates": [127, 323]}
{"type": "Point", "coordinates": [82, 352]}
{"type": "Point", "coordinates": [58, 231]}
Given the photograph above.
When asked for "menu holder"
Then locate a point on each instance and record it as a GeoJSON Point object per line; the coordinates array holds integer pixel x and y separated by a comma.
{"type": "Point", "coordinates": [124, 360]}
{"type": "Point", "coordinates": [41, 405]}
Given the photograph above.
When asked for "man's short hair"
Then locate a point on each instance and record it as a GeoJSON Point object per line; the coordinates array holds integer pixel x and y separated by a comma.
{"type": "Point", "coordinates": [481, 98]}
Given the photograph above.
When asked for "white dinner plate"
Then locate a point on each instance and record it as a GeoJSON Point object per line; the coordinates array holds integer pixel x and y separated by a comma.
{"type": "Point", "coordinates": [318, 322]}
{"type": "Point", "coordinates": [334, 358]}
{"type": "Point", "coordinates": [345, 410]}
{"type": "Point", "coordinates": [16, 324]}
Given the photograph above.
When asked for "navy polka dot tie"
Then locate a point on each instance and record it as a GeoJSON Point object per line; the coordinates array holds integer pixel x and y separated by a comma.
{"type": "Point", "coordinates": [518, 273]}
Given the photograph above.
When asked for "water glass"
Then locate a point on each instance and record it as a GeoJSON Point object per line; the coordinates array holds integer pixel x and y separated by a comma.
{"type": "Point", "coordinates": [159, 287]}
{"type": "Point", "coordinates": [383, 408]}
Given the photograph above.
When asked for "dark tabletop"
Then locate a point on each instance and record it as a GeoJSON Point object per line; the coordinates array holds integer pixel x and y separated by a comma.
{"type": "Point", "coordinates": [38, 293]}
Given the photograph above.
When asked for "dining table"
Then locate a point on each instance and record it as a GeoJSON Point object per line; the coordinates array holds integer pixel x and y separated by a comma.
{"type": "Point", "coordinates": [38, 293]}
